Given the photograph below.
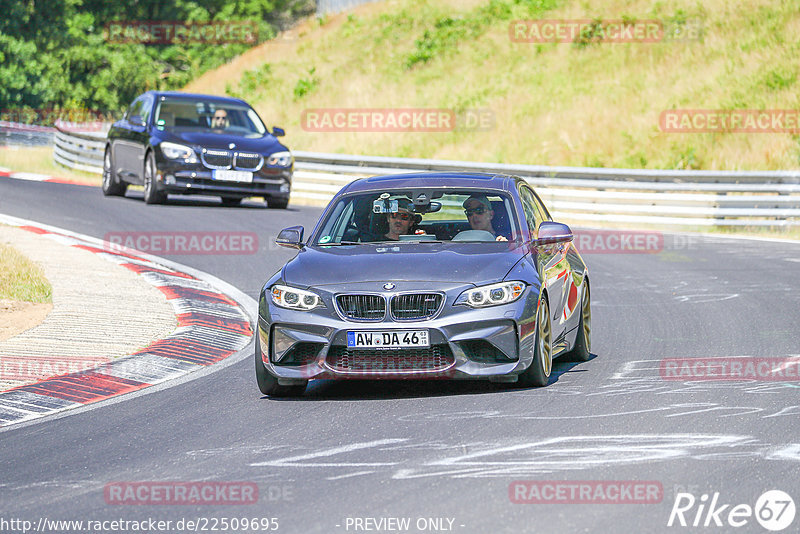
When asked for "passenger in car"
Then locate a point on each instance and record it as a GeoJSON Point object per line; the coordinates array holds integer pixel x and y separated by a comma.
{"type": "Point", "coordinates": [479, 213]}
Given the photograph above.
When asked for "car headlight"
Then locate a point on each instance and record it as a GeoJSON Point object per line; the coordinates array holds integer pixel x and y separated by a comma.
{"type": "Point", "coordinates": [491, 295]}
{"type": "Point", "coordinates": [280, 159]}
{"type": "Point", "coordinates": [295, 299]}
{"type": "Point", "coordinates": [176, 151]}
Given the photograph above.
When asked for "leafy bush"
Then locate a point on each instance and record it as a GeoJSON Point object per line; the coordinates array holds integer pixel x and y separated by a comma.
{"type": "Point", "coordinates": [306, 85]}
{"type": "Point", "coordinates": [53, 54]}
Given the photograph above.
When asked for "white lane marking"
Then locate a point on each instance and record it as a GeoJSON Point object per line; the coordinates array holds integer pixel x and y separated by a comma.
{"type": "Point", "coordinates": [573, 453]}
{"type": "Point", "coordinates": [789, 452]}
{"type": "Point", "coordinates": [709, 297]}
{"type": "Point", "coordinates": [298, 461]}
{"type": "Point", "coordinates": [357, 473]}
{"type": "Point", "coordinates": [790, 410]}
{"type": "Point", "coordinates": [796, 260]}
{"type": "Point", "coordinates": [32, 176]}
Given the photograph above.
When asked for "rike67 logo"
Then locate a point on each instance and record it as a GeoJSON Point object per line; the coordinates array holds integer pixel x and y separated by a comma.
{"type": "Point", "coordinates": [774, 510]}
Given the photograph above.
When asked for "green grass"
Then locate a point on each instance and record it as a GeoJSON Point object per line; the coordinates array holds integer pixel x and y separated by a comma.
{"type": "Point", "coordinates": [40, 160]}
{"type": "Point", "coordinates": [21, 279]}
{"type": "Point", "coordinates": [587, 103]}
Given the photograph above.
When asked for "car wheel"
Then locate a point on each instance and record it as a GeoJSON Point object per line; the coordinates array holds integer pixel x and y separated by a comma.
{"type": "Point", "coordinates": [538, 374]}
{"type": "Point", "coordinates": [277, 203]}
{"type": "Point", "coordinates": [583, 339]}
{"type": "Point", "coordinates": [268, 384]}
{"type": "Point", "coordinates": [111, 184]}
{"type": "Point", "coordinates": [231, 201]}
{"type": "Point", "coordinates": [151, 193]}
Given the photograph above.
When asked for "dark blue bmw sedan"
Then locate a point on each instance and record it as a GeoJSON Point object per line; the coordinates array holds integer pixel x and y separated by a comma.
{"type": "Point", "coordinates": [458, 276]}
{"type": "Point", "coordinates": [183, 143]}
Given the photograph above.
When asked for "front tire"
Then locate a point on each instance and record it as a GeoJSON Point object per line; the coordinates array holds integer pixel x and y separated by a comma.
{"type": "Point", "coordinates": [111, 184]}
{"type": "Point", "coordinates": [230, 202]}
{"type": "Point", "coordinates": [538, 374]}
{"type": "Point", "coordinates": [583, 339]}
{"type": "Point", "coordinates": [277, 203]}
{"type": "Point", "coordinates": [151, 193]}
{"type": "Point", "coordinates": [268, 384]}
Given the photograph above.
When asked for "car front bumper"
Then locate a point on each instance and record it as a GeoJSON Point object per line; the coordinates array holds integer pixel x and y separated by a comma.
{"type": "Point", "coordinates": [198, 180]}
{"type": "Point", "coordinates": [491, 343]}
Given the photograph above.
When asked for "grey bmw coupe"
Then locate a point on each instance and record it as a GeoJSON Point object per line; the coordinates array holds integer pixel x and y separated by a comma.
{"type": "Point", "coordinates": [429, 275]}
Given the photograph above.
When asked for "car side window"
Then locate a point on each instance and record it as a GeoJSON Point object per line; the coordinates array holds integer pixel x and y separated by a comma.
{"type": "Point", "coordinates": [533, 215]}
{"type": "Point", "coordinates": [540, 208]}
{"type": "Point", "coordinates": [135, 109]}
{"type": "Point", "coordinates": [147, 106]}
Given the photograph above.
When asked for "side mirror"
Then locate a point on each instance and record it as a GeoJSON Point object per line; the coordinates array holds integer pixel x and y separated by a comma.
{"type": "Point", "coordinates": [291, 237]}
{"type": "Point", "coordinates": [553, 232]}
{"type": "Point", "coordinates": [278, 131]}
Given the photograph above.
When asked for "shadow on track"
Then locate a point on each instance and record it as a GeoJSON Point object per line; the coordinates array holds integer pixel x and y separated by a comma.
{"type": "Point", "coordinates": [349, 390]}
{"type": "Point", "coordinates": [202, 201]}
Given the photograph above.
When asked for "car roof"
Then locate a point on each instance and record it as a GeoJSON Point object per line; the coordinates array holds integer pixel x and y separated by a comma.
{"type": "Point", "coordinates": [421, 180]}
{"type": "Point", "coordinates": [196, 96]}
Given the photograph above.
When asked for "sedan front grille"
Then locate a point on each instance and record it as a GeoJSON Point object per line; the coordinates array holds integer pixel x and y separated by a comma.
{"type": "Point", "coordinates": [248, 162]}
{"type": "Point", "coordinates": [415, 306]}
{"type": "Point", "coordinates": [429, 359]}
{"type": "Point", "coordinates": [362, 307]}
{"type": "Point", "coordinates": [216, 159]}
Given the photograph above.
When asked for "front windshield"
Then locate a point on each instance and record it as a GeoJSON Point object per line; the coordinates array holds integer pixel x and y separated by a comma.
{"type": "Point", "coordinates": [209, 116]}
{"type": "Point", "coordinates": [392, 215]}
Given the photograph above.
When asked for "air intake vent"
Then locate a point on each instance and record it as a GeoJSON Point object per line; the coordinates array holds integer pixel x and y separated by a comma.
{"type": "Point", "coordinates": [429, 359]}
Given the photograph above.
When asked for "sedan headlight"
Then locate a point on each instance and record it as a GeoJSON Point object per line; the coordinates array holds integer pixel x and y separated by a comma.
{"type": "Point", "coordinates": [295, 299]}
{"type": "Point", "coordinates": [491, 295]}
{"type": "Point", "coordinates": [176, 151]}
{"type": "Point", "coordinates": [280, 159]}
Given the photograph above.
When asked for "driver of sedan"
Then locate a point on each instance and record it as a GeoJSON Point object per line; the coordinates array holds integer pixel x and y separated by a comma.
{"type": "Point", "coordinates": [220, 120]}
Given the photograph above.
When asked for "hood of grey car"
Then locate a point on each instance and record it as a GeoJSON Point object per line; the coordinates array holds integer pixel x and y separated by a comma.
{"type": "Point", "coordinates": [472, 263]}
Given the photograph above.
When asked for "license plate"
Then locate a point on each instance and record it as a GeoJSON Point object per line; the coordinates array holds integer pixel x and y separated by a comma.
{"type": "Point", "coordinates": [387, 339]}
{"type": "Point", "coordinates": [232, 176]}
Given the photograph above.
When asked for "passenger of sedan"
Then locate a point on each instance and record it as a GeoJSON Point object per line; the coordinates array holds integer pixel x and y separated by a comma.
{"type": "Point", "coordinates": [220, 120]}
{"type": "Point", "coordinates": [401, 222]}
{"type": "Point", "coordinates": [480, 214]}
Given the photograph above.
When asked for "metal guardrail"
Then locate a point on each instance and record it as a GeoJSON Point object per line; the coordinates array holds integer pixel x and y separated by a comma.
{"type": "Point", "coordinates": [13, 133]}
{"type": "Point", "coordinates": [80, 150]}
{"type": "Point", "coordinates": [337, 6]}
{"type": "Point", "coordinates": [664, 197]}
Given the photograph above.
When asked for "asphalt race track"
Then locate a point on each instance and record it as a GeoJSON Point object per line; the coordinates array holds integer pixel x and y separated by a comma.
{"type": "Point", "coordinates": [433, 449]}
